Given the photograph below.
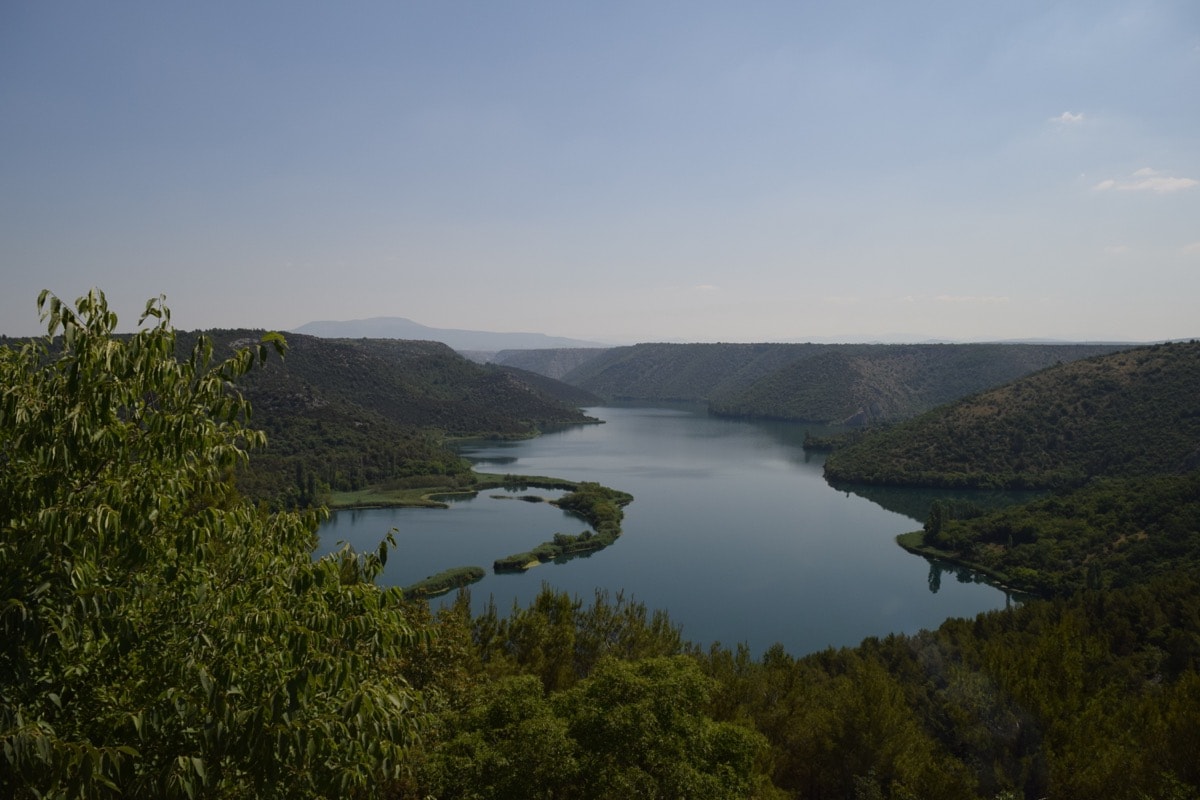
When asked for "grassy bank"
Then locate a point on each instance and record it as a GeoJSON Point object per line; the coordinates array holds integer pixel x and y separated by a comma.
{"type": "Point", "coordinates": [914, 542]}
{"type": "Point", "coordinates": [384, 496]}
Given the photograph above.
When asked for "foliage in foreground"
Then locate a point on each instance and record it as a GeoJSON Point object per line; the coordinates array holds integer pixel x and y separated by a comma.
{"type": "Point", "coordinates": [1092, 695]}
{"type": "Point", "coordinates": [159, 636]}
{"type": "Point", "coordinates": [560, 699]}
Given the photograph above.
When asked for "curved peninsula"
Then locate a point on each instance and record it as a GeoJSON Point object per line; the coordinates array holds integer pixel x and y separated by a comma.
{"type": "Point", "coordinates": [600, 506]}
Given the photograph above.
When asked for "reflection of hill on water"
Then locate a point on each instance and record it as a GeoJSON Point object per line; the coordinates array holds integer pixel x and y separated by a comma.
{"type": "Point", "coordinates": [915, 503]}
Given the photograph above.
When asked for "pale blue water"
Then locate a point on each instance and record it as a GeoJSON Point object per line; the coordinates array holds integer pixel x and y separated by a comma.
{"type": "Point", "coordinates": [733, 531]}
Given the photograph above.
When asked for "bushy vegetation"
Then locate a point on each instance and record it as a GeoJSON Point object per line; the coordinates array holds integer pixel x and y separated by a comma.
{"type": "Point", "coordinates": [1092, 695]}
{"type": "Point", "coordinates": [159, 635]}
{"type": "Point", "coordinates": [1126, 414]}
{"type": "Point", "coordinates": [1112, 532]}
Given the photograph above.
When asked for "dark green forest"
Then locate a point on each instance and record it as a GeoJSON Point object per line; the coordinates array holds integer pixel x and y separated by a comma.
{"type": "Point", "coordinates": [165, 633]}
{"type": "Point", "coordinates": [1110, 533]}
{"type": "Point", "coordinates": [344, 414]}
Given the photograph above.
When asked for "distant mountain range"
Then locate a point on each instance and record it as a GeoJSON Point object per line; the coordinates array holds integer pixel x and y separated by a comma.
{"type": "Point", "coordinates": [462, 340]}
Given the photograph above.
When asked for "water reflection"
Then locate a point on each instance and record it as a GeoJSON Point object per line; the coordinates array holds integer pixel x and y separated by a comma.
{"type": "Point", "coordinates": [938, 567]}
{"type": "Point", "coordinates": [733, 531]}
{"type": "Point", "coordinates": [915, 503]}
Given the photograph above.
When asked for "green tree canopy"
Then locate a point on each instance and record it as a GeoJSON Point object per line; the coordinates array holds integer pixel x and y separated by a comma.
{"type": "Point", "coordinates": [160, 636]}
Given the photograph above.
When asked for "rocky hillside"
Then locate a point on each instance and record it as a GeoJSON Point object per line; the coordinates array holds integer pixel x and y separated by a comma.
{"type": "Point", "coordinates": [682, 371]}
{"type": "Point", "coordinates": [856, 384]}
{"type": "Point", "coordinates": [867, 384]}
{"type": "Point", "coordinates": [552, 362]}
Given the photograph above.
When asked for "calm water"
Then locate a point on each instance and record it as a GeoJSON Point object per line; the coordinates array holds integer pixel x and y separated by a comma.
{"type": "Point", "coordinates": [732, 530]}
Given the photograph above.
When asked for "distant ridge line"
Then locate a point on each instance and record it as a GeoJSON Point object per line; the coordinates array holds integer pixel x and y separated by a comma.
{"type": "Point", "coordinates": [458, 339]}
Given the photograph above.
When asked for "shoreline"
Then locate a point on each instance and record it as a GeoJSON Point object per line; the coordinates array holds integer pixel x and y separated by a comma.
{"type": "Point", "coordinates": [912, 542]}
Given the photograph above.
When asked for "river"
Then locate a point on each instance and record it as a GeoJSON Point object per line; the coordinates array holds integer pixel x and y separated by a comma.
{"type": "Point", "coordinates": [733, 531]}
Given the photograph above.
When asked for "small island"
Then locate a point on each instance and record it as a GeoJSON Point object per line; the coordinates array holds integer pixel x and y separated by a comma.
{"type": "Point", "coordinates": [444, 582]}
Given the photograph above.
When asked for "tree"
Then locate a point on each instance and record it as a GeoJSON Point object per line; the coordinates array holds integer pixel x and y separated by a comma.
{"type": "Point", "coordinates": [643, 731]}
{"type": "Point", "coordinates": [159, 635]}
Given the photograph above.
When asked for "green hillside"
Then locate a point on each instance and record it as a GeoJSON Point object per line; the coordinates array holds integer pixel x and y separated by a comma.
{"type": "Point", "coordinates": [828, 383]}
{"type": "Point", "coordinates": [342, 414]}
{"type": "Point", "coordinates": [867, 384]}
{"type": "Point", "coordinates": [1110, 533]}
{"type": "Point", "coordinates": [1129, 413]}
{"type": "Point", "coordinates": [551, 387]}
{"type": "Point", "coordinates": [681, 371]}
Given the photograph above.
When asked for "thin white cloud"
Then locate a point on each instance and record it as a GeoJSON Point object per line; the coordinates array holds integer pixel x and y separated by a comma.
{"type": "Point", "coordinates": [1067, 118]}
{"type": "Point", "coordinates": [971, 298]}
{"type": "Point", "coordinates": [1147, 180]}
{"type": "Point", "coordinates": [705, 288]}
{"type": "Point", "coordinates": [1192, 249]}
{"type": "Point", "coordinates": [1118, 249]}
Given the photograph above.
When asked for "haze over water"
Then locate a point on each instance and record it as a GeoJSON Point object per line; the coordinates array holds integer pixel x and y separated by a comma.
{"type": "Point", "coordinates": [733, 531]}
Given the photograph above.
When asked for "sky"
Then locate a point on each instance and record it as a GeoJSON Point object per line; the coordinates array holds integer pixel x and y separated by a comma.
{"type": "Point", "coordinates": [616, 171]}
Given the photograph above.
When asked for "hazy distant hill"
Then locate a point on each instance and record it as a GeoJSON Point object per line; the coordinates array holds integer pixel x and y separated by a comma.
{"type": "Point", "coordinates": [551, 362]}
{"type": "Point", "coordinates": [855, 383]}
{"type": "Point", "coordinates": [1130, 413]}
{"type": "Point", "coordinates": [401, 328]}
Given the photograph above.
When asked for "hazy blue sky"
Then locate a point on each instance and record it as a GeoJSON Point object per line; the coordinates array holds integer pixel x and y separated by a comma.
{"type": "Point", "coordinates": [614, 171]}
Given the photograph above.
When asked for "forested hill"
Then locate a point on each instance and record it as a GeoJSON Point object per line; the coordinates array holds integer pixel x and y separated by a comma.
{"type": "Point", "coordinates": [344, 413]}
{"type": "Point", "coordinates": [551, 387]}
{"type": "Point", "coordinates": [418, 383]}
{"type": "Point", "coordinates": [864, 384]}
{"type": "Point", "coordinates": [816, 382]}
{"type": "Point", "coordinates": [1125, 414]}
